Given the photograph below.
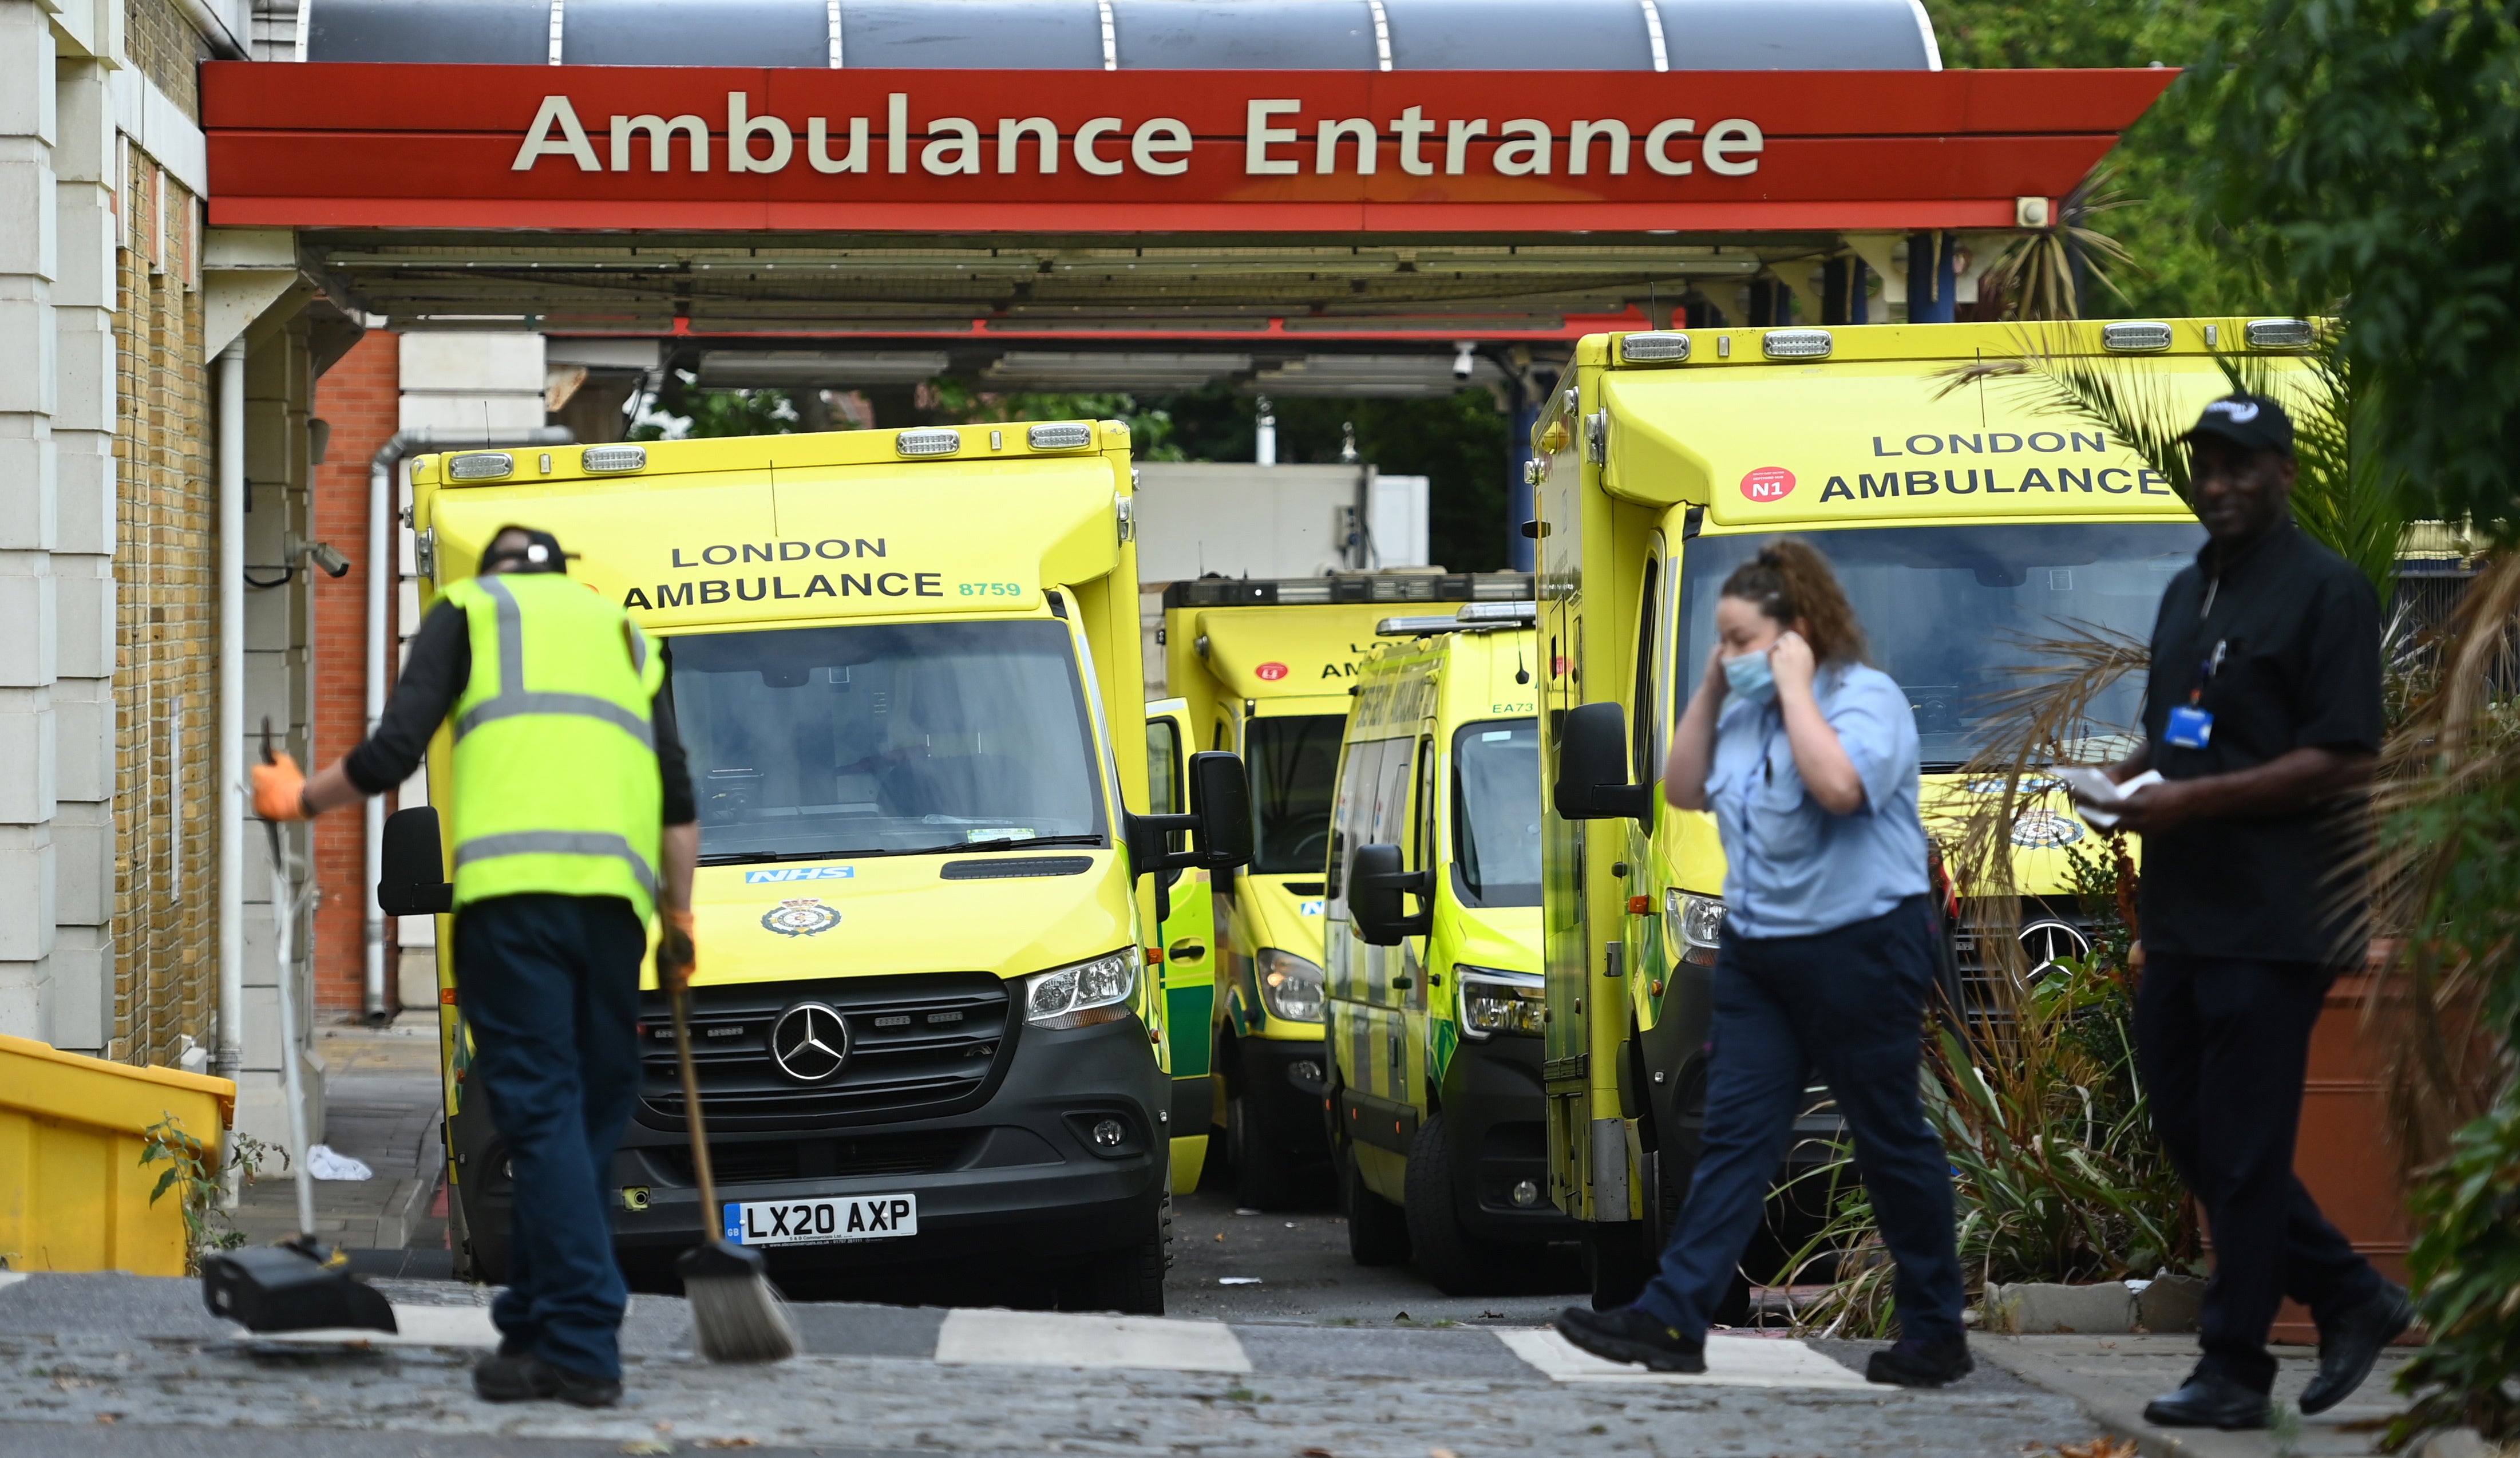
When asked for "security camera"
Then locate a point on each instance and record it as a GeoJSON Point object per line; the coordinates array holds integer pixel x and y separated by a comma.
{"type": "Point", "coordinates": [1464, 360]}
{"type": "Point", "coordinates": [323, 555]}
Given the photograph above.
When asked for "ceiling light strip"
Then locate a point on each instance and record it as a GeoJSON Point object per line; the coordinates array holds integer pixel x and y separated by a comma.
{"type": "Point", "coordinates": [832, 23]}
{"type": "Point", "coordinates": [555, 14]}
{"type": "Point", "coordinates": [1653, 33]}
{"type": "Point", "coordinates": [1382, 35]}
{"type": "Point", "coordinates": [1110, 37]}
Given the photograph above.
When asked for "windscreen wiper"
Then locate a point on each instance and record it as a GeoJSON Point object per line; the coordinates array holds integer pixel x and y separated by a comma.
{"type": "Point", "coordinates": [1009, 843]}
{"type": "Point", "coordinates": [764, 857]}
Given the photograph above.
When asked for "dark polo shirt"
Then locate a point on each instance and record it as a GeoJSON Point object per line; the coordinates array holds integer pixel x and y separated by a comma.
{"type": "Point", "coordinates": [2300, 636]}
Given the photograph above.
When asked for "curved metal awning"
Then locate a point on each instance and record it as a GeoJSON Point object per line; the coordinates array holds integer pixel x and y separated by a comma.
{"type": "Point", "coordinates": [1650, 35]}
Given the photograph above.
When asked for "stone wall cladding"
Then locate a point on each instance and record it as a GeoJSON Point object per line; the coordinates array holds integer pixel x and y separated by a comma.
{"type": "Point", "coordinates": [166, 928]}
{"type": "Point", "coordinates": [360, 398]}
{"type": "Point", "coordinates": [160, 42]}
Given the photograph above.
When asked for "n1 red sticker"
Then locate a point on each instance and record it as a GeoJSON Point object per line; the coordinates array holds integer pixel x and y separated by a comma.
{"type": "Point", "coordinates": [1270, 672]}
{"type": "Point", "coordinates": [1768, 483]}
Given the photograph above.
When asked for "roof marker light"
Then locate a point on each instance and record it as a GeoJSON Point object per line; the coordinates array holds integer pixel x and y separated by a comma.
{"type": "Point", "coordinates": [2135, 337]}
{"type": "Point", "coordinates": [1525, 610]}
{"type": "Point", "coordinates": [480, 464]}
{"type": "Point", "coordinates": [938, 442]}
{"type": "Point", "coordinates": [1069, 436]}
{"type": "Point", "coordinates": [1404, 627]}
{"type": "Point", "coordinates": [1636, 348]}
{"type": "Point", "coordinates": [598, 460]}
{"type": "Point", "coordinates": [2280, 334]}
{"type": "Point", "coordinates": [1795, 343]}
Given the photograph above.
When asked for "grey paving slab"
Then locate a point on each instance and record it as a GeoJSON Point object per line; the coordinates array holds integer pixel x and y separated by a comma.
{"type": "Point", "coordinates": [134, 1440]}
{"type": "Point", "coordinates": [847, 1330]}
{"type": "Point", "coordinates": [1339, 1351]}
{"type": "Point", "coordinates": [2114, 1377]}
{"type": "Point", "coordinates": [48, 1303]}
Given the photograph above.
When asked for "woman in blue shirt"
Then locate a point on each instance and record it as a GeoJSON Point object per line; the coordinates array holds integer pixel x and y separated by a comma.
{"type": "Point", "coordinates": [1807, 757]}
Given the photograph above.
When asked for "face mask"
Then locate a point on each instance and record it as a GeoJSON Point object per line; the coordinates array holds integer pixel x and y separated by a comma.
{"type": "Point", "coordinates": [1751, 677]}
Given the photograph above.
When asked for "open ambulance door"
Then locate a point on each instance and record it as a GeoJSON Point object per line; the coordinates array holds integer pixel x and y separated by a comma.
{"type": "Point", "coordinates": [1186, 943]}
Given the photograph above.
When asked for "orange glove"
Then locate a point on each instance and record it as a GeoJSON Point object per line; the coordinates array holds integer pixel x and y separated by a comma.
{"type": "Point", "coordinates": [677, 955]}
{"type": "Point", "coordinates": [280, 790]}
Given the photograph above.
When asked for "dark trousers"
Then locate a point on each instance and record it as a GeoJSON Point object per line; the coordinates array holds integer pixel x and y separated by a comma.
{"type": "Point", "coordinates": [1850, 1004]}
{"type": "Point", "coordinates": [2225, 1045]}
{"type": "Point", "coordinates": [550, 987]}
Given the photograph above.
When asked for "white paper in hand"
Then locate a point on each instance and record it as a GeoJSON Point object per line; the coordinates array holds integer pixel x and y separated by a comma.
{"type": "Point", "coordinates": [2096, 788]}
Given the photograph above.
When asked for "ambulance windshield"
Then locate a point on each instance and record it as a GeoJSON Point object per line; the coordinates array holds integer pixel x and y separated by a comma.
{"type": "Point", "coordinates": [1945, 610]}
{"type": "Point", "coordinates": [1294, 767]}
{"type": "Point", "coordinates": [1496, 812]}
{"type": "Point", "coordinates": [811, 743]}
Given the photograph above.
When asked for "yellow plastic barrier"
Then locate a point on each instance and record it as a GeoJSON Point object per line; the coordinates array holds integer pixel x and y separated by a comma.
{"type": "Point", "coordinates": [73, 1193]}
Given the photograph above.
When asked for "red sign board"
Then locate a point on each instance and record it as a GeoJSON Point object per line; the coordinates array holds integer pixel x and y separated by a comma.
{"type": "Point", "coordinates": [683, 148]}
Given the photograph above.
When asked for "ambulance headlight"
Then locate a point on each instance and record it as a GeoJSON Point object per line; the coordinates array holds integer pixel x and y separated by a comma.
{"type": "Point", "coordinates": [1693, 925]}
{"type": "Point", "coordinates": [1495, 1002]}
{"type": "Point", "coordinates": [1082, 995]}
{"type": "Point", "coordinates": [1290, 988]}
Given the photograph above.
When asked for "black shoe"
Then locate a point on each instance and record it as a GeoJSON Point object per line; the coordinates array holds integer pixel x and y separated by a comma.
{"type": "Point", "coordinates": [1915, 1363]}
{"type": "Point", "coordinates": [2209, 1401]}
{"type": "Point", "coordinates": [1631, 1334]}
{"type": "Point", "coordinates": [2346, 1353]}
{"type": "Point", "coordinates": [507, 1377]}
{"type": "Point", "coordinates": [581, 1389]}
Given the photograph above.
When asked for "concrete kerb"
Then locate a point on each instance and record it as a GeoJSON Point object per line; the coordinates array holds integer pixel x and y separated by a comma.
{"type": "Point", "coordinates": [2114, 1408]}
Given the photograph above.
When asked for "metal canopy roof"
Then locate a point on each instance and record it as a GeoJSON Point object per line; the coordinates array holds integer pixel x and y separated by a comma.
{"type": "Point", "coordinates": [1136, 34]}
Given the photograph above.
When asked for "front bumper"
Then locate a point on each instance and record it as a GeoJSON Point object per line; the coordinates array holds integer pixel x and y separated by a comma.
{"type": "Point", "coordinates": [1018, 1173]}
{"type": "Point", "coordinates": [1283, 1084]}
{"type": "Point", "coordinates": [1496, 1138]}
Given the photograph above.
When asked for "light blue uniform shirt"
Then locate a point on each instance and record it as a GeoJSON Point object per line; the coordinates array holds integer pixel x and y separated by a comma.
{"type": "Point", "coordinates": [1792, 868]}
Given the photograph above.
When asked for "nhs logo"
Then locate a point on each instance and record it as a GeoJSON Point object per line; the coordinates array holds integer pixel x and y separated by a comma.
{"type": "Point", "coordinates": [781, 874]}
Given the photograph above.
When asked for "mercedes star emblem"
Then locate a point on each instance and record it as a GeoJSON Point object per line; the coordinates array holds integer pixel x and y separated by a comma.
{"type": "Point", "coordinates": [810, 1042]}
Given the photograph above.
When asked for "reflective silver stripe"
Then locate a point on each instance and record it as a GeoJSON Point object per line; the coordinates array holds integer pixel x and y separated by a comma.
{"type": "Point", "coordinates": [512, 697]}
{"type": "Point", "coordinates": [557, 843]}
{"type": "Point", "coordinates": [509, 705]}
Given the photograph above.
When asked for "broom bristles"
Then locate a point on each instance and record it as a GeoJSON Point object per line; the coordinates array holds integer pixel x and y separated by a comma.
{"type": "Point", "coordinates": [736, 1315]}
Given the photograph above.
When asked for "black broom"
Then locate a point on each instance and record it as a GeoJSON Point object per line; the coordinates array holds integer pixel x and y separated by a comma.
{"type": "Point", "coordinates": [734, 1314]}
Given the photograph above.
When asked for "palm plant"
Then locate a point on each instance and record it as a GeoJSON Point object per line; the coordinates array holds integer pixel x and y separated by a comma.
{"type": "Point", "coordinates": [2045, 271]}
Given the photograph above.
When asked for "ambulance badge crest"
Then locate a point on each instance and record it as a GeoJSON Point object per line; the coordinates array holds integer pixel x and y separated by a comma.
{"type": "Point", "coordinates": [800, 916]}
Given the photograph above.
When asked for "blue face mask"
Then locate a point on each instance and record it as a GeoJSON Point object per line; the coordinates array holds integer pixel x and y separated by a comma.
{"type": "Point", "coordinates": [1751, 677]}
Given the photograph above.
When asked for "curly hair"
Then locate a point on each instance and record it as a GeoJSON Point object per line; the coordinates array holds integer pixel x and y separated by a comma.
{"type": "Point", "coordinates": [1789, 580]}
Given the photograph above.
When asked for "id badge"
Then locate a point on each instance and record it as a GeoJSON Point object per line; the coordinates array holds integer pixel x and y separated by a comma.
{"type": "Point", "coordinates": [2191, 728]}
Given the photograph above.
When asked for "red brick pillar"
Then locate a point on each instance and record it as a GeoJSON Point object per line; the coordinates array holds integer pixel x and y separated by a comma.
{"type": "Point", "coordinates": [361, 398]}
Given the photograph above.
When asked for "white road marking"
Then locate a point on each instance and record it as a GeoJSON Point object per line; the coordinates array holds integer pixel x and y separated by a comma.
{"type": "Point", "coordinates": [1062, 1339]}
{"type": "Point", "coordinates": [421, 1326]}
{"type": "Point", "coordinates": [11, 1277]}
{"type": "Point", "coordinates": [1730, 1362]}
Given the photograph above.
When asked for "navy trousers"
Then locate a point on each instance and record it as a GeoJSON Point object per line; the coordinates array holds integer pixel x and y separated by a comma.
{"type": "Point", "coordinates": [1849, 1004]}
{"type": "Point", "coordinates": [550, 987]}
{"type": "Point", "coordinates": [2224, 1044]}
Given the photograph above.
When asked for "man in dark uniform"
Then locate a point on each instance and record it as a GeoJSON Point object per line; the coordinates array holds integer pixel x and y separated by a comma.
{"type": "Point", "coordinates": [572, 815]}
{"type": "Point", "coordinates": [2263, 716]}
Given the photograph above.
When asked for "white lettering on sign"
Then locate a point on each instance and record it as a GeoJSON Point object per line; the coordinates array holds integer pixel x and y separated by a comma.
{"type": "Point", "coordinates": [1158, 147]}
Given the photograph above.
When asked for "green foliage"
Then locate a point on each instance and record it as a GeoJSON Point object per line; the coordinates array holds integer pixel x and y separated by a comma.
{"type": "Point", "coordinates": [2367, 152]}
{"type": "Point", "coordinates": [717, 413]}
{"type": "Point", "coordinates": [2465, 1262]}
{"type": "Point", "coordinates": [197, 1177]}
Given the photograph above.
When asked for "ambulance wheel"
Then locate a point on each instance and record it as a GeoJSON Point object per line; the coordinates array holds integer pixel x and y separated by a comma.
{"type": "Point", "coordinates": [480, 1253]}
{"type": "Point", "coordinates": [1378, 1231]}
{"type": "Point", "coordinates": [1458, 1262]}
{"type": "Point", "coordinates": [1128, 1281]}
{"type": "Point", "coordinates": [1260, 1164]}
{"type": "Point", "coordinates": [1616, 1260]}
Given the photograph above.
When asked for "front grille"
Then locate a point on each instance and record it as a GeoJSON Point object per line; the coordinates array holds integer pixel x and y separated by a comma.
{"type": "Point", "coordinates": [2046, 929]}
{"type": "Point", "coordinates": [920, 1046]}
{"type": "Point", "coordinates": [736, 1164]}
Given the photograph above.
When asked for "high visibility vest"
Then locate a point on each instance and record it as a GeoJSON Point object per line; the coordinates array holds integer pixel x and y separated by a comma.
{"type": "Point", "coordinates": [557, 787]}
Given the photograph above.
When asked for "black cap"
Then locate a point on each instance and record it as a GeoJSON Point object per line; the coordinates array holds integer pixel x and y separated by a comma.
{"type": "Point", "coordinates": [541, 552]}
{"type": "Point", "coordinates": [2252, 422]}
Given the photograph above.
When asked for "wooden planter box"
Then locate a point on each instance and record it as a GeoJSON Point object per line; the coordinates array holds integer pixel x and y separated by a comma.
{"type": "Point", "coordinates": [2344, 1155]}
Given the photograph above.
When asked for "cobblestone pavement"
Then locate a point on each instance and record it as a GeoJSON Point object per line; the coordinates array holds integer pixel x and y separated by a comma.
{"type": "Point", "coordinates": [83, 1353]}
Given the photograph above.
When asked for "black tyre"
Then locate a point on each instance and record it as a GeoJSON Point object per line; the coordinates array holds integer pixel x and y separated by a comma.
{"type": "Point", "coordinates": [1130, 1280]}
{"type": "Point", "coordinates": [1261, 1172]}
{"type": "Point", "coordinates": [1458, 1262]}
{"type": "Point", "coordinates": [1616, 1260]}
{"type": "Point", "coordinates": [479, 1240]}
{"type": "Point", "coordinates": [1378, 1231]}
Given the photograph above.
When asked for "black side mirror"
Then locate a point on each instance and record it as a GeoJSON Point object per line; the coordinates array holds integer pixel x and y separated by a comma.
{"type": "Point", "coordinates": [1219, 819]}
{"type": "Point", "coordinates": [1593, 767]}
{"type": "Point", "coordinates": [1375, 885]}
{"type": "Point", "coordinates": [414, 873]}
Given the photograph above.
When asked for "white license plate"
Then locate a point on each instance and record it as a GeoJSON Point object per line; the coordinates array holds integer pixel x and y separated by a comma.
{"type": "Point", "coordinates": [821, 1221]}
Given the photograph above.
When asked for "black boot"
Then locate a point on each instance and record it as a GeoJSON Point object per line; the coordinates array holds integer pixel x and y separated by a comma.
{"type": "Point", "coordinates": [511, 1378]}
{"type": "Point", "coordinates": [1631, 1334]}
{"type": "Point", "coordinates": [2347, 1351]}
{"type": "Point", "coordinates": [2209, 1401]}
{"type": "Point", "coordinates": [1915, 1363]}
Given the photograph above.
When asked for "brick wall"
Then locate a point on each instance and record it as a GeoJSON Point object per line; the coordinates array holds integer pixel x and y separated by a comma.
{"type": "Point", "coordinates": [361, 398]}
{"type": "Point", "coordinates": [165, 980]}
{"type": "Point", "coordinates": [162, 44]}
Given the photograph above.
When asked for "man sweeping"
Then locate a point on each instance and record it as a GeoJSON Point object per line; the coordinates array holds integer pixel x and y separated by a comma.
{"type": "Point", "coordinates": [574, 821]}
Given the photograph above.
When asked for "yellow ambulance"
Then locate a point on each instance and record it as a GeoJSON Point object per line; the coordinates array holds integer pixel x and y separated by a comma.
{"type": "Point", "coordinates": [1262, 667]}
{"type": "Point", "coordinates": [1959, 520]}
{"type": "Point", "coordinates": [905, 666]}
{"type": "Point", "coordinates": [1436, 1002]}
